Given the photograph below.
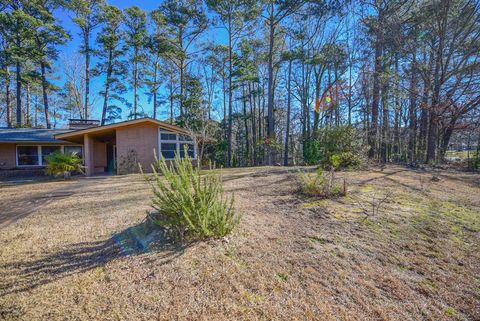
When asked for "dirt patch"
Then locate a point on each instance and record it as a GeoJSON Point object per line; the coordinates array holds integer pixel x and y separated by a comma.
{"type": "Point", "coordinates": [85, 256]}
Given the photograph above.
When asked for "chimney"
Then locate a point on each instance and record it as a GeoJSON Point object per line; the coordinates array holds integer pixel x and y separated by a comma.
{"type": "Point", "coordinates": [82, 123]}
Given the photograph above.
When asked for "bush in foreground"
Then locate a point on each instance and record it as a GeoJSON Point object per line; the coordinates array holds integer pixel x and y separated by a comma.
{"type": "Point", "coordinates": [59, 163]}
{"type": "Point", "coordinates": [191, 205]}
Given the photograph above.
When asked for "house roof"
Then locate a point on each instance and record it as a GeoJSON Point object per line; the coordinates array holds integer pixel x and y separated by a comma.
{"type": "Point", "coordinates": [100, 129]}
{"type": "Point", "coordinates": [42, 135]}
{"type": "Point", "coordinates": [33, 135]}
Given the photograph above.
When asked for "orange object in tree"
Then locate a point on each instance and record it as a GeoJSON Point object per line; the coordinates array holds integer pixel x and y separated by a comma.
{"type": "Point", "coordinates": [317, 106]}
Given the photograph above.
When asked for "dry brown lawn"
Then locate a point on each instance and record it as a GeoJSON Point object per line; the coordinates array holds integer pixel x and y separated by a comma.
{"type": "Point", "coordinates": [75, 250]}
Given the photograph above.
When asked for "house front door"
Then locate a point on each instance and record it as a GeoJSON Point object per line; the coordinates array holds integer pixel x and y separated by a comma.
{"type": "Point", "coordinates": [111, 158]}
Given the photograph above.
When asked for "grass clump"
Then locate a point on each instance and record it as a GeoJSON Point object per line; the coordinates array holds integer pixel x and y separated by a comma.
{"type": "Point", "coordinates": [282, 277]}
{"type": "Point", "coordinates": [321, 184]}
{"type": "Point", "coordinates": [191, 205]}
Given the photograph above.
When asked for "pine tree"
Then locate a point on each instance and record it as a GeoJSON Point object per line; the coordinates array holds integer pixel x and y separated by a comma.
{"type": "Point", "coordinates": [136, 37]}
{"type": "Point", "coordinates": [158, 47]}
{"type": "Point", "coordinates": [87, 18]}
{"type": "Point", "coordinates": [186, 21]}
{"type": "Point", "coordinates": [18, 31]}
{"type": "Point", "coordinates": [110, 53]}
{"type": "Point", "coordinates": [47, 37]}
{"type": "Point", "coordinates": [6, 60]}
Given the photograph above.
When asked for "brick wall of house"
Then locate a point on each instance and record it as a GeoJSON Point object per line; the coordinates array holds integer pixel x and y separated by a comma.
{"type": "Point", "coordinates": [7, 156]}
{"type": "Point", "coordinates": [135, 144]}
{"type": "Point", "coordinates": [99, 156]}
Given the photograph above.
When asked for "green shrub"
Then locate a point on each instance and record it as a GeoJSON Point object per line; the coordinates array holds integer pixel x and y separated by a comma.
{"type": "Point", "coordinates": [191, 205]}
{"type": "Point", "coordinates": [475, 161]}
{"type": "Point", "coordinates": [321, 184]}
{"type": "Point", "coordinates": [59, 163]}
{"type": "Point", "coordinates": [340, 147]}
{"type": "Point", "coordinates": [312, 152]}
{"type": "Point", "coordinates": [346, 160]}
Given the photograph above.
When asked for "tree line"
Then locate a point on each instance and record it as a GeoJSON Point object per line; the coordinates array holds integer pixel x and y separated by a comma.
{"type": "Point", "coordinates": [271, 81]}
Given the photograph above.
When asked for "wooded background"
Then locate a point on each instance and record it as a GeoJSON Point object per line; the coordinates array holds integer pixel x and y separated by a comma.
{"type": "Point", "coordinates": [287, 82]}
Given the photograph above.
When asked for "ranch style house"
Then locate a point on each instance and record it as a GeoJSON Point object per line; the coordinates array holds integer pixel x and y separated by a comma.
{"type": "Point", "coordinates": [113, 148]}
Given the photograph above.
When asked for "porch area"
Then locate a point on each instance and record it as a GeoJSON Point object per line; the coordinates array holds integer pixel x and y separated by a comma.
{"type": "Point", "coordinates": [99, 151]}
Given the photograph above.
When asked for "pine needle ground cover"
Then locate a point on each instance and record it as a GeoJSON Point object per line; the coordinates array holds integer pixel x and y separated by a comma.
{"type": "Point", "coordinates": [76, 250]}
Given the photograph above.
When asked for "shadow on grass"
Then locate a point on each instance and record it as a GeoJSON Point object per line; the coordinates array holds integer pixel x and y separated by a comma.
{"type": "Point", "coordinates": [77, 258]}
{"type": "Point", "coordinates": [265, 173]}
{"type": "Point", "coordinates": [15, 210]}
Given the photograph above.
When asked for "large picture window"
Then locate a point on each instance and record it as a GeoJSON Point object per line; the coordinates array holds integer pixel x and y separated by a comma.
{"type": "Point", "coordinates": [35, 155]}
{"type": "Point", "coordinates": [171, 143]}
{"type": "Point", "coordinates": [27, 156]}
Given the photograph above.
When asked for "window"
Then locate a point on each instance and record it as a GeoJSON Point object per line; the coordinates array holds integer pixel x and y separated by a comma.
{"type": "Point", "coordinates": [36, 155]}
{"type": "Point", "coordinates": [164, 136]}
{"type": "Point", "coordinates": [190, 150]}
{"type": "Point", "coordinates": [27, 156]}
{"type": "Point", "coordinates": [184, 138]}
{"type": "Point", "coordinates": [74, 149]}
{"type": "Point", "coordinates": [168, 150]}
{"type": "Point", "coordinates": [171, 143]}
{"type": "Point", "coordinates": [47, 150]}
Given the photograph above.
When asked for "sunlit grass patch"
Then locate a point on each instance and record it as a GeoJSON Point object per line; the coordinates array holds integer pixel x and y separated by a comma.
{"type": "Point", "coordinates": [317, 240]}
{"type": "Point", "coordinates": [316, 203]}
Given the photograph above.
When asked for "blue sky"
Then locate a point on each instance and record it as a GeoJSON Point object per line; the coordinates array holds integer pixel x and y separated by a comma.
{"type": "Point", "coordinates": [72, 48]}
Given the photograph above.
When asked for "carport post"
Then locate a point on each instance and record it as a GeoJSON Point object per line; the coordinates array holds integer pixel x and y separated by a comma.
{"type": "Point", "coordinates": [88, 146]}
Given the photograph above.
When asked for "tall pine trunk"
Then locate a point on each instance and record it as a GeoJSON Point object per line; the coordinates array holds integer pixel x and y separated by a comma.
{"type": "Point", "coordinates": [398, 112]}
{"type": "Point", "coordinates": [245, 124]}
{"type": "Point", "coordinates": [385, 125]}
{"type": "Point", "coordinates": [350, 93]}
{"type": "Point", "coordinates": [135, 84]}
{"type": "Point", "coordinates": [87, 72]}
{"type": "Point", "coordinates": [225, 128]}
{"type": "Point", "coordinates": [155, 91]}
{"type": "Point", "coordinates": [289, 102]}
{"type": "Point", "coordinates": [253, 111]}
{"type": "Point", "coordinates": [412, 113]}
{"type": "Point", "coordinates": [35, 119]}
{"type": "Point", "coordinates": [171, 98]}
{"type": "Point", "coordinates": [433, 116]}
{"type": "Point", "coordinates": [318, 83]}
{"type": "Point", "coordinates": [27, 111]}
{"type": "Point", "coordinates": [45, 94]}
{"type": "Point", "coordinates": [7, 96]}
{"type": "Point", "coordinates": [19, 79]}
{"type": "Point", "coordinates": [107, 86]}
{"type": "Point", "coordinates": [19, 94]}
{"type": "Point", "coordinates": [337, 97]}
{"type": "Point", "coordinates": [271, 124]}
{"type": "Point", "coordinates": [437, 83]}
{"type": "Point", "coordinates": [182, 71]}
{"type": "Point", "coordinates": [230, 92]}
{"type": "Point", "coordinates": [376, 86]}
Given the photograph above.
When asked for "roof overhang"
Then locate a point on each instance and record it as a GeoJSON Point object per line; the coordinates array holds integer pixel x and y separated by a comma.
{"type": "Point", "coordinates": [35, 142]}
{"type": "Point", "coordinates": [100, 130]}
